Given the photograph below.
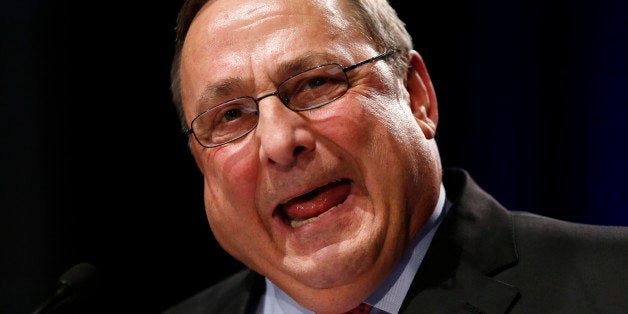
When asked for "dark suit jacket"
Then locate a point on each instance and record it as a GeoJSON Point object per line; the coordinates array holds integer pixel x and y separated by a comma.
{"type": "Point", "coordinates": [486, 259]}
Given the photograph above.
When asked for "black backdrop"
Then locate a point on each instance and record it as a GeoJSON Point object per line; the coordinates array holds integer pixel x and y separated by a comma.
{"type": "Point", "coordinates": [532, 96]}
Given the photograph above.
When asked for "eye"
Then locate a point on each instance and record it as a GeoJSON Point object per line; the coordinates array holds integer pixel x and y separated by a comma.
{"type": "Point", "coordinates": [227, 121]}
{"type": "Point", "coordinates": [232, 114]}
{"type": "Point", "coordinates": [314, 82]}
{"type": "Point", "coordinates": [233, 111]}
{"type": "Point", "coordinates": [315, 87]}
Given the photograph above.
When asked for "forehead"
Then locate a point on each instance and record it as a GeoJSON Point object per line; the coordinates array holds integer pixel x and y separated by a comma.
{"type": "Point", "coordinates": [236, 18]}
{"type": "Point", "coordinates": [235, 30]}
{"type": "Point", "coordinates": [246, 40]}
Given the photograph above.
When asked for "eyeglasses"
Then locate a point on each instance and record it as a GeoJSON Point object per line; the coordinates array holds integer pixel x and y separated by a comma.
{"type": "Point", "coordinates": [307, 90]}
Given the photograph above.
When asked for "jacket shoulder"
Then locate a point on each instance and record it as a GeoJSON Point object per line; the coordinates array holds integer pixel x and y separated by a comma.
{"type": "Point", "coordinates": [237, 293]}
{"type": "Point", "coordinates": [554, 265]}
{"type": "Point", "coordinates": [567, 241]}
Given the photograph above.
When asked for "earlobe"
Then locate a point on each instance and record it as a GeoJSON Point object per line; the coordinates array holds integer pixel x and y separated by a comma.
{"type": "Point", "coordinates": [422, 95]}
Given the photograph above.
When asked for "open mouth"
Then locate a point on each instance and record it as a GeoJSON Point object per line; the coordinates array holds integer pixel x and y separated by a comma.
{"type": "Point", "coordinates": [308, 207]}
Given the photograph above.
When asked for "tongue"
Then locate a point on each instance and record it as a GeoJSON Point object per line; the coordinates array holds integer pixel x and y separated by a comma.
{"type": "Point", "coordinates": [317, 201]}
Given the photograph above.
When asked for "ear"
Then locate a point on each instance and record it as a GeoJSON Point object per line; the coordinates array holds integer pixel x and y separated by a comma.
{"type": "Point", "coordinates": [422, 95]}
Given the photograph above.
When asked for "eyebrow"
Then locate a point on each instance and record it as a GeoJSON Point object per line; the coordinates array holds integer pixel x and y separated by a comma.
{"type": "Point", "coordinates": [220, 89]}
{"type": "Point", "coordinates": [227, 87]}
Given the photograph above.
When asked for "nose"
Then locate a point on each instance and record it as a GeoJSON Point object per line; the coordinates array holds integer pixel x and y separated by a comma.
{"type": "Point", "coordinates": [284, 135]}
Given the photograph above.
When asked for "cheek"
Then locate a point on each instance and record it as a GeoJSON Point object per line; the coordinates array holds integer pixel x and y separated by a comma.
{"type": "Point", "coordinates": [383, 139]}
{"type": "Point", "coordinates": [347, 124]}
{"type": "Point", "coordinates": [230, 174]}
{"type": "Point", "coordinates": [369, 123]}
{"type": "Point", "coordinates": [230, 182]}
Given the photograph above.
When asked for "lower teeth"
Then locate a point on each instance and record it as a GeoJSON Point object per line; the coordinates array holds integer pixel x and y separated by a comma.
{"type": "Point", "coordinates": [298, 223]}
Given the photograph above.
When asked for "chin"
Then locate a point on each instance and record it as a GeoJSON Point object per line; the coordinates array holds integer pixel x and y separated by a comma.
{"type": "Point", "coordinates": [336, 265]}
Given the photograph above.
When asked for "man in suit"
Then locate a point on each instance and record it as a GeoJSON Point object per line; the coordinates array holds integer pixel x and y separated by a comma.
{"type": "Point", "coordinates": [313, 124]}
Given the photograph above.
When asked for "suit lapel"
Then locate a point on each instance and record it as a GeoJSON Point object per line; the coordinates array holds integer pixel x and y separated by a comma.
{"type": "Point", "coordinates": [474, 242]}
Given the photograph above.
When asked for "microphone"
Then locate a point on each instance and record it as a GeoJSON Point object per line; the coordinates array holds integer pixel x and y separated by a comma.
{"type": "Point", "coordinates": [79, 280]}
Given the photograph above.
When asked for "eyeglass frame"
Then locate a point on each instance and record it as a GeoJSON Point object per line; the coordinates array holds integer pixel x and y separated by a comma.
{"type": "Point", "coordinates": [190, 130]}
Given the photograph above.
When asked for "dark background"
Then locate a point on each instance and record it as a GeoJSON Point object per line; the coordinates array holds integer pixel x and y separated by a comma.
{"type": "Point", "coordinates": [532, 97]}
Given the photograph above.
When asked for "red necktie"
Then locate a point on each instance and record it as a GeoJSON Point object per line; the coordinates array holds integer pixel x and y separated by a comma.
{"type": "Point", "coordinates": [361, 309]}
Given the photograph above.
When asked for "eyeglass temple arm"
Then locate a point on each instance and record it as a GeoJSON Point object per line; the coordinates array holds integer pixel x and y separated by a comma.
{"type": "Point", "coordinates": [380, 56]}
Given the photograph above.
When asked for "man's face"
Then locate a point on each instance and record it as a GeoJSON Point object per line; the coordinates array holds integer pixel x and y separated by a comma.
{"type": "Point", "coordinates": [322, 202]}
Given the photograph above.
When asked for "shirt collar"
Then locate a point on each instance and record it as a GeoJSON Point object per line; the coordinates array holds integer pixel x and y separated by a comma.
{"type": "Point", "coordinates": [389, 296]}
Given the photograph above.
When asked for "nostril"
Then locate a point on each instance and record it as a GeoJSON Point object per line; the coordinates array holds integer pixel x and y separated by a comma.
{"type": "Point", "coordinates": [298, 150]}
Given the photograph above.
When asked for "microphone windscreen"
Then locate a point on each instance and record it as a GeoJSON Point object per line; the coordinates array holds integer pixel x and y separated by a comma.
{"type": "Point", "coordinates": [81, 277]}
{"type": "Point", "coordinates": [76, 285]}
